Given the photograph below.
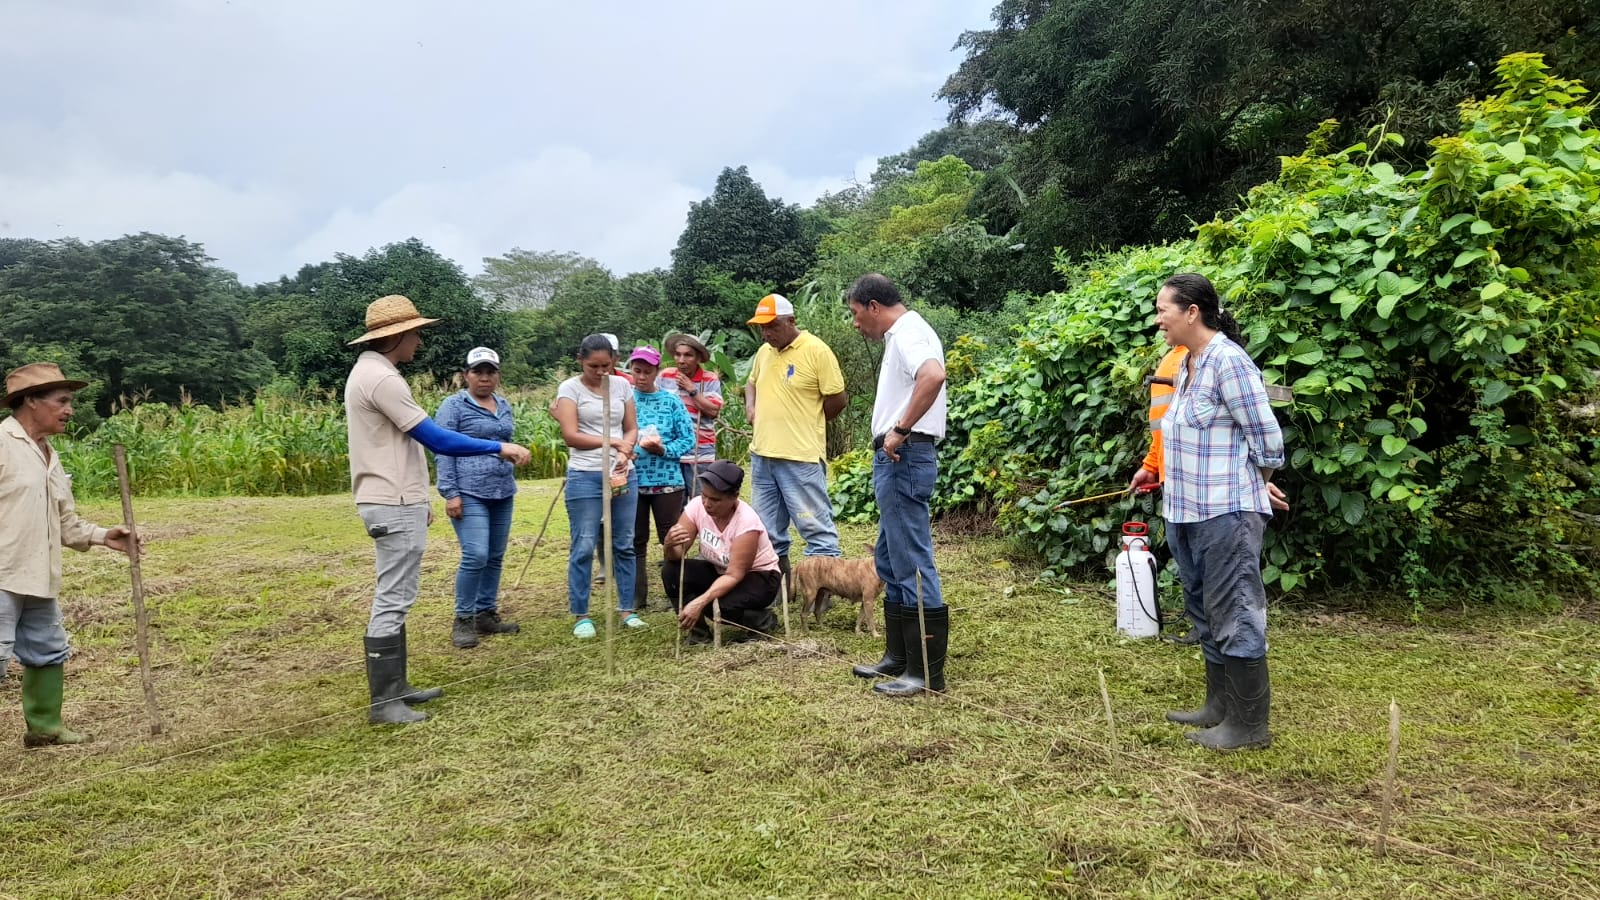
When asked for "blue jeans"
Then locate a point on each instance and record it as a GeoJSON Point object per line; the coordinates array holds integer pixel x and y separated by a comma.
{"type": "Point", "coordinates": [31, 626]}
{"type": "Point", "coordinates": [584, 515]}
{"type": "Point", "coordinates": [905, 527]}
{"type": "Point", "coordinates": [1219, 563]}
{"type": "Point", "coordinates": [784, 491]}
{"type": "Point", "coordinates": [482, 531]}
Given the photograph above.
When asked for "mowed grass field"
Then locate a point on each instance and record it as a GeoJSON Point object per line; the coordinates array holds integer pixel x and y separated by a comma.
{"type": "Point", "coordinates": [767, 770]}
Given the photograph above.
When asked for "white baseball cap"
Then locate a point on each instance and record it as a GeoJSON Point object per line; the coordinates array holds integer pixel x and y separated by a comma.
{"type": "Point", "coordinates": [480, 355]}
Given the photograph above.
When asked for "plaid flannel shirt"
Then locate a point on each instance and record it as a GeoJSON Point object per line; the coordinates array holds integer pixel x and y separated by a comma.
{"type": "Point", "coordinates": [1218, 434]}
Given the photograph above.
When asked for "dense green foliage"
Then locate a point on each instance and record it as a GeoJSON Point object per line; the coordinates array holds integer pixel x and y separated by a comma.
{"type": "Point", "coordinates": [738, 234]}
{"type": "Point", "coordinates": [304, 323]}
{"type": "Point", "coordinates": [142, 315]}
{"type": "Point", "coordinates": [1440, 330]}
{"type": "Point", "coordinates": [1144, 116]}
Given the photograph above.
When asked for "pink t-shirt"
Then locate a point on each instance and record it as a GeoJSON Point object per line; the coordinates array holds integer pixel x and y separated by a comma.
{"type": "Point", "coordinates": [716, 545]}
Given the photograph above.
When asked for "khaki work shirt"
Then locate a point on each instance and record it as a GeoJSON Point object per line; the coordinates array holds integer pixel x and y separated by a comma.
{"type": "Point", "coordinates": [386, 466]}
{"type": "Point", "coordinates": [37, 516]}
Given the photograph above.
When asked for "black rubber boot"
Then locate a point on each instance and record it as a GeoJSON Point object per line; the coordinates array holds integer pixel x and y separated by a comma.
{"type": "Point", "coordinates": [1249, 706]}
{"type": "Point", "coordinates": [893, 663]}
{"type": "Point", "coordinates": [386, 682]}
{"type": "Point", "coordinates": [491, 623]}
{"type": "Point", "coordinates": [914, 681]}
{"type": "Point", "coordinates": [1216, 705]}
{"type": "Point", "coordinates": [464, 634]}
{"type": "Point", "coordinates": [410, 694]}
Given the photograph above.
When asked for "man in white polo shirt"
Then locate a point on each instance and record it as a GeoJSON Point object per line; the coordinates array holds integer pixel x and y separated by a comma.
{"type": "Point", "coordinates": [389, 474]}
{"type": "Point", "coordinates": [908, 421]}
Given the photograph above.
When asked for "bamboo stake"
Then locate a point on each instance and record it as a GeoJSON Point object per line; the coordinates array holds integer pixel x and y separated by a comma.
{"type": "Point", "coordinates": [140, 620]}
{"type": "Point", "coordinates": [553, 501]}
{"type": "Point", "coordinates": [1388, 778]}
{"type": "Point", "coordinates": [1111, 722]}
{"type": "Point", "coordinates": [683, 561]}
{"type": "Point", "coordinates": [605, 520]}
{"type": "Point", "coordinates": [922, 632]}
{"type": "Point", "coordinates": [783, 602]}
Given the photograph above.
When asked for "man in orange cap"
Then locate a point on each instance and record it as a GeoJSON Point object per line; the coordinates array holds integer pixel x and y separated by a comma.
{"type": "Point", "coordinates": [37, 519]}
{"type": "Point", "coordinates": [795, 388]}
{"type": "Point", "coordinates": [389, 474]}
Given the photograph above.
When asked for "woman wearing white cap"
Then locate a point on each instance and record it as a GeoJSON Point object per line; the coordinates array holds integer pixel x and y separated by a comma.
{"type": "Point", "coordinates": [478, 495]}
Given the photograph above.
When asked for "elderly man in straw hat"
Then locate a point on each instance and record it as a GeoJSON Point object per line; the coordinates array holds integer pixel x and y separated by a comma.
{"type": "Point", "coordinates": [389, 473]}
{"type": "Point", "coordinates": [37, 519]}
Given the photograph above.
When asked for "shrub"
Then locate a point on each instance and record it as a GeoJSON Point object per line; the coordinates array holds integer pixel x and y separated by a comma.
{"type": "Point", "coordinates": [1440, 329]}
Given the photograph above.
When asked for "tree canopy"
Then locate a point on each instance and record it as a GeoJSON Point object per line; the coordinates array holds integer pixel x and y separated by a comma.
{"type": "Point", "coordinates": [1145, 116]}
{"type": "Point", "coordinates": [144, 315]}
{"type": "Point", "coordinates": [304, 322]}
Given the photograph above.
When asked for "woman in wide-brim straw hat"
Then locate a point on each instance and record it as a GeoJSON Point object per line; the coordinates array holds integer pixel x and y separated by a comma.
{"type": "Point", "coordinates": [37, 519]}
{"type": "Point", "coordinates": [701, 393]}
{"type": "Point", "coordinates": [389, 474]}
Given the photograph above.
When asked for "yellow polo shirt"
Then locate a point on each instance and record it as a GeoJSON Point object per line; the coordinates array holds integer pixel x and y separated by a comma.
{"type": "Point", "coordinates": [790, 384]}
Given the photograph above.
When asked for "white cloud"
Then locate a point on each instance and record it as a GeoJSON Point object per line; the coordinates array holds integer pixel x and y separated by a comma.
{"type": "Point", "coordinates": [277, 134]}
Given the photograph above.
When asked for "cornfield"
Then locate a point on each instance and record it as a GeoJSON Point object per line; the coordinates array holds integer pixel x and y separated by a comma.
{"type": "Point", "coordinates": [279, 443]}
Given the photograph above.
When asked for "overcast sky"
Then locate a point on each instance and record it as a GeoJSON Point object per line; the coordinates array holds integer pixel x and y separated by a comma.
{"type": "Point", "coordinates": [280, 132]}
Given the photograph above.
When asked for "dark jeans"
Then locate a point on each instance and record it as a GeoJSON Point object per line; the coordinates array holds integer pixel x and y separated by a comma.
{"type": "Point", "coordinates": [755, 592]}
{"type": "Point", "coordinates": [1219, 563]}
{"type": "Point", "coordinates": [665, 509]}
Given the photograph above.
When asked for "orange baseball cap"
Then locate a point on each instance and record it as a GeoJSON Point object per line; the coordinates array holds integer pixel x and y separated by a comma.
{"type": "Point", "coordinates": [772, 306]}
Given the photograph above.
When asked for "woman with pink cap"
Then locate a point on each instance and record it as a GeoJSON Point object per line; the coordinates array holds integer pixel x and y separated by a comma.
{"type": "Point", "coordinates": [665, 434]}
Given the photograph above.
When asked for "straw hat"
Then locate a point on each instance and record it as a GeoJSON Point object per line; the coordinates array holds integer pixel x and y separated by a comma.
{"type": "Point", "coordinates": [681, 337]}
{"type": "Point", "coordinates": [391, 315]}
{"type": "Point", "coordinates": [35, 377]}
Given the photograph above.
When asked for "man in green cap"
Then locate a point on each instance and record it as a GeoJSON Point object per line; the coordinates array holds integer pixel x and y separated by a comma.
{"type": "Point", "coordinates": [37, 519]}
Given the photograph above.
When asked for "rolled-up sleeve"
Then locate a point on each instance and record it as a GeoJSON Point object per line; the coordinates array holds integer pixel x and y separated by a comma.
{"type": "Point", "coordinates": [1245, 395]}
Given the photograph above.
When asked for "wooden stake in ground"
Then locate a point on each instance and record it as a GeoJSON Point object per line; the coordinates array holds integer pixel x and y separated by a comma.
{"type": "Point", "coordinates": [1111, 722]}
{"type": "Point", "coordinates": [605, 521]}
{"type": "Point", "coordinates": [140, 622]}
{"type": "Point", "coordinates": [683, 561]}
{"type": "Point", "coordinates": [1388, 777]}
{"type": "Point", "coordinates": [553, 501]}
{"type": "Point", "coordinates": [783, 602]}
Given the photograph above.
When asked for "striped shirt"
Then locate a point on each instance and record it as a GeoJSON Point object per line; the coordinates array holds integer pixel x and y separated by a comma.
{"type": "Point", "coordinates": [1217, 434]}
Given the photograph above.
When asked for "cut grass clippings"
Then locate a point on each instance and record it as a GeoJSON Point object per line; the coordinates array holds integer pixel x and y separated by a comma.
{"type": "Point", "coordinates": [765, 769]}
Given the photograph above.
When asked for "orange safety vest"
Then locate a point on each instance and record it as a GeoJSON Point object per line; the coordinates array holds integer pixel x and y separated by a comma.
{"type": "Point", "coordinates": [1160, 399]}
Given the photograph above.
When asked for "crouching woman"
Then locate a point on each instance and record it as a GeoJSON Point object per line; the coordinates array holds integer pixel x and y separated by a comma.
{"type": "Point", "coordinates": [737, 565]}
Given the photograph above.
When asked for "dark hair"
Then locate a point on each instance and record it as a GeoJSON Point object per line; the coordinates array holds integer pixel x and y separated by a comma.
{"type": "Point", "coordinates": [596, 343]}
{"type": "Point", "coordinates": [873, 286]}
{"type": "Point", "coordinates": [1190, 289]}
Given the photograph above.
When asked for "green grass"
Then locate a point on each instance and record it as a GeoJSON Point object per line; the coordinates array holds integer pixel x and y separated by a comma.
{"type": "Point", "coordinates": [755, 771]}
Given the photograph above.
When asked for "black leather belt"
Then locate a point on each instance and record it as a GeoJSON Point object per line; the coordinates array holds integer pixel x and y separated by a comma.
{"type": "Point", "coordinates": [915, 437]}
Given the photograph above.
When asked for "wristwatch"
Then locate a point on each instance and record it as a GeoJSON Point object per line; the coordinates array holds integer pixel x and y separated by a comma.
{"type": "Point", "coordinates": [903, 432]}
{"type": "Point", "coordinates": [693, 392]}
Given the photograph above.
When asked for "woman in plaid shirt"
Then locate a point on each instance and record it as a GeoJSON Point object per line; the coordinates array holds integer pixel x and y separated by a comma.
{"type": "Point", "coordinates": [1221, 444]}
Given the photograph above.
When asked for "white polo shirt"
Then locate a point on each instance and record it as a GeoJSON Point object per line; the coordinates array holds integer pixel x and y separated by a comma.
{"type": "Point", "coordinates": [906, 346]}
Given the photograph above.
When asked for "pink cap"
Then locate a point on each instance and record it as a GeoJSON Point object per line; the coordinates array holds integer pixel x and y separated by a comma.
{"type": "Point", "coordinates": [648, 354]}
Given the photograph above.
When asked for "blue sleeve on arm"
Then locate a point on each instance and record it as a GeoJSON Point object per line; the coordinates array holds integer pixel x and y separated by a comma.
{"type": "Point", "coordinates": [450, 443]}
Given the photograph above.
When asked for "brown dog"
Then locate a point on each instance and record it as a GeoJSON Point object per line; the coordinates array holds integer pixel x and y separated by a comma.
{"type": "Point", "coordinates": [818, 579]}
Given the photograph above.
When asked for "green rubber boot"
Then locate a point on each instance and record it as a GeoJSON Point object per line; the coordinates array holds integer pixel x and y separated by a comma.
{"type": "Point", "coordinates": [41, 708]}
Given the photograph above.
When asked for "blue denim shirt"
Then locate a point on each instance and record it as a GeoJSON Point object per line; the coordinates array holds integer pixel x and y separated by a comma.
{"type": "Point", "coordinates": [664, 410]}
{"type": "Point", "coordinates": [486, 477]}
